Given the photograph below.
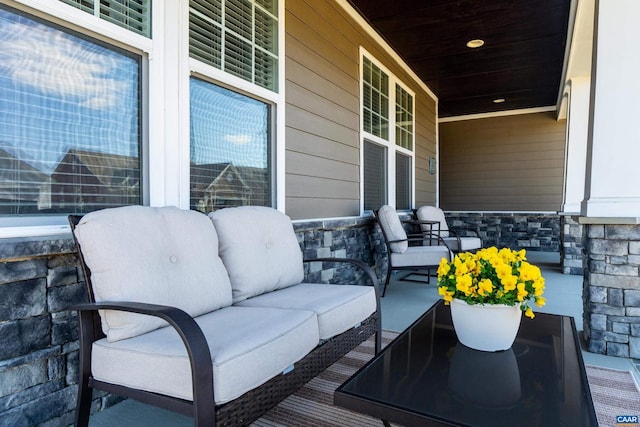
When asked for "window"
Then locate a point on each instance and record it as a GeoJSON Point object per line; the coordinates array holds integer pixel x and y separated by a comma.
{"type": "Point", "coordinates": [387, 172]}
{"type": "Point", "coordinates": [69, 120]}
{"type": "Point", "coordinates": [239, 37]}
{"type": "Point", "coordinates": [134, 15]}
{"type": "Point", "coordinates": [230, 144]}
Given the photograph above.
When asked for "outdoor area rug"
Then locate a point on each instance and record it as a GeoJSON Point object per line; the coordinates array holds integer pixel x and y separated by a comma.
{"type": "Point", "coordinates": [614, 393]}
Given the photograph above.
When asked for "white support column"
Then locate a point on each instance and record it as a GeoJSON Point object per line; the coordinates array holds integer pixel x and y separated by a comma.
{"type": "Point", "coordinates": [168, 105]}
{"type": "Point", "coordinates": [576, 144]}
{"type": "Point", "coordinates": [612, 187]}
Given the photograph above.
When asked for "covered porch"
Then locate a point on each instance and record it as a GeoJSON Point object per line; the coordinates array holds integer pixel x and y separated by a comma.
{"type": "Point", "coordinates": [557, 178]}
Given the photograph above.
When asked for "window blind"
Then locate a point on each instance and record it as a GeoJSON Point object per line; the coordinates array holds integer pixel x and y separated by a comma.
{"type": "Point", "coordinates": [237, 36]}
{"type": "Point", "coordinates": [375, 175]}
{"type": "Point", "coordinates": [134, 15]}
{"type": "Point", "coordinates": [403, 181]}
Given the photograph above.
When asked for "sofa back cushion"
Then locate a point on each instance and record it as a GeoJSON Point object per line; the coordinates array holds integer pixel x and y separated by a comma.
{"type": "Point", "coordinates": [392, 228]}
{"type": "Point", "coordinates": [163, 256]}
{"type": "Point", "coordinates": [259, 249]}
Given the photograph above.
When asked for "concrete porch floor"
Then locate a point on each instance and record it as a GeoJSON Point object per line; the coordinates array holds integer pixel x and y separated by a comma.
{"type": "Point", "coordinates": [403, 303]}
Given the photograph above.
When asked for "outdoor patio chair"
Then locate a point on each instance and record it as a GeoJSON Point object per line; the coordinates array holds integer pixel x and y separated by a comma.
{"type": "Point", "coordinates": [452, 239]}
{"type": "Point", "coordinates": [409, 251]}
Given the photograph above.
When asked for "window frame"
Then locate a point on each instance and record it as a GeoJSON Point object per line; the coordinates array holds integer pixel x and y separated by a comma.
{"type": "Point", "coordinates": [165, 71]}
{"type": "Point", "coordinates": [390, 145]}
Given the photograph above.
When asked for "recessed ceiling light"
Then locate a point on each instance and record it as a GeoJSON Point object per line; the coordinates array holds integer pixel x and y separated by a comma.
{"type": "Point", "coordinates": [499, 100]}
{"type": "Point", "coordinates": [475, 43]}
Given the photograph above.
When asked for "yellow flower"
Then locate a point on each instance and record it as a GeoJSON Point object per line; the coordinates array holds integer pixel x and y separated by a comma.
{"type": "Point", "coordinates": [485, 286]}
{"type": "Point", "coordinates": [509, 282]}
{"type": "Point", "coordinates": [461, 266]}
{"type": "Point", "coordinates": [464, 284]}
{"type": "Point", "coordinates": [538, 286]}
{"type": "Point", "coordinates": [529, 272]}
{"type": "Point", "coordinates": [529, 313]}
{"type": "Point", "coordinates": [443, 268]}
{"type": "Point", "coordinates": [446, 294]}
{"type": "Point", "coordinates": [540, 301]}
{"type": "Point", "coordinates": [506, 254]}
{"type": "Point", "coordinates": [503, 270]}
{"type": "Point", "coordinates": [522, 291]}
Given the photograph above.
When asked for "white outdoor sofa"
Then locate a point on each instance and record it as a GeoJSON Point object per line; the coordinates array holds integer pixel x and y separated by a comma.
{"type": "Point", "coordinates": [208, 316]}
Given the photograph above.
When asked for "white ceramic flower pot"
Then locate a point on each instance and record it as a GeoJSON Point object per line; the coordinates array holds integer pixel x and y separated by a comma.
{"type": "Point", "coordinates": [485, 327]}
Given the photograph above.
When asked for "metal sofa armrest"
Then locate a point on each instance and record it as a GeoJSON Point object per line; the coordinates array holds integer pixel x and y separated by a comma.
{"type": "Point", "coordinates": [190, 333]}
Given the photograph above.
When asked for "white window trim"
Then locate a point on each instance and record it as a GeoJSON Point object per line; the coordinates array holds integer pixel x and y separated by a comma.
{"type": "Point", "coordinates": [390, 145]}
{"type": "Point", "coordinates": [166, 69]}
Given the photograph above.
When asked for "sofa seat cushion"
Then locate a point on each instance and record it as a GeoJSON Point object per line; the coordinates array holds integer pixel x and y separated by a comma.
{"type": "Point", "coordinates": [420, 256]}
{"type": "Point", "coordinates": [248, 347]}
{"type": "Point", "coordinates": [259, 249]}
{"type": "Point", "coordinates": [467, 243]}
{"type": "Point", "coordinates": [163, 256]}
{"type": "Point", "coordinates": [338, 307]}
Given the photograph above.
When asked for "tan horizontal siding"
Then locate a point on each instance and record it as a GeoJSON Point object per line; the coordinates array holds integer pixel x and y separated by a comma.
{"type": "Point", "coordinates": [510, 163]}
{"type": "Point", "coordinates": [306, 164]}
{"type": "Point", "coordinates": [323, 112]}
{"type": "Point", "coordinates": [313, 187]}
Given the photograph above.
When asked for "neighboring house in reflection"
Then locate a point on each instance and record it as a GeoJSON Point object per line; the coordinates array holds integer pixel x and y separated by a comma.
{"type": "Point", "coordinates": [220, 185]}
{"type": "Point", "coordinates": [21, 186]}
{"type": "Point", "coordinates": [88, 180]}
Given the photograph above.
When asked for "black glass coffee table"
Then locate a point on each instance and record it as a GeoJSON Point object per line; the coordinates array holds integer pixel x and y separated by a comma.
{"type": "Point", "coordinates": [426, 377]}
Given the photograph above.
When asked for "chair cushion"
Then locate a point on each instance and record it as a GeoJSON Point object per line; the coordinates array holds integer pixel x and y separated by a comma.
{"type": "Point", "coordinates": [390, 223]}
{"type": "Point", "coordinates": [248, 347]}
{"type": "Point", "coordinates": [431, 213]}
{"type": "Point", "coordinates": [259, 249]}
{"type": "Point", "coordinates": [467, 243]}
{"type": "Point", "coordinates": [419, 256]}
{"type": "Point", "coordinates": [338, 307]}
{"type": "Point", "coordinates": [155, 255]}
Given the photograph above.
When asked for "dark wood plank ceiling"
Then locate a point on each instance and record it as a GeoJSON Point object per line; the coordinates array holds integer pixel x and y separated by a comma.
{"type": "Point", "coordinates": [521, 60]}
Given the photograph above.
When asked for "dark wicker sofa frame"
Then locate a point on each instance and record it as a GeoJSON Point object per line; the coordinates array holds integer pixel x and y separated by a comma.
{"type": "Point", "coordinates": [241, 411]}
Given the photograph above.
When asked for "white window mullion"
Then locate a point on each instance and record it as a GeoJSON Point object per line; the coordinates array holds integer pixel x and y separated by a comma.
{"type": "Point", "coordinates": [391, 152]}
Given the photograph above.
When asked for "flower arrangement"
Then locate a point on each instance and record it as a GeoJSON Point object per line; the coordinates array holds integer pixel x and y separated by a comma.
{"type": "Point", "coordinates": [492, 276]}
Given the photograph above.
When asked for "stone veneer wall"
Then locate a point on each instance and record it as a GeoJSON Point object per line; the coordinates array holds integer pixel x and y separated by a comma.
{"type": "Point", "coordinates": [612, 289]}
{"type": "Point", "coordinates": [38, 355]}
{"type": "Point", "coordinates": [571, 249]}
{"type": "Point", "coordinates": [530, 231]}
{"type": "Point", "coordinates": [39, 280]}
